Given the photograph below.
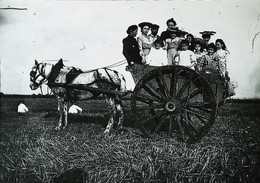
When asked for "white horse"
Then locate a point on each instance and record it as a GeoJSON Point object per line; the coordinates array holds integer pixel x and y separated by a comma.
{"type": "Point", "coordinates": [62, 79]}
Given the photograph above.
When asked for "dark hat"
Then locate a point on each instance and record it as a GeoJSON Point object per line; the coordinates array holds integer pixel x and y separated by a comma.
{"type": "Point", "coordinates": [210, 33]}
{"type": "Point", "coordinates": [212, 45]}
{"type": "Point", "coordinates": [145, 24]}
{"type": "Point", "coordinates": [171, 20]}
{"type": "Point", "coordinates": [155, 26]}
{"type": "Point", "coordinates": [190, 35]}
{"type": "Point", "coordinates": [199, 41]}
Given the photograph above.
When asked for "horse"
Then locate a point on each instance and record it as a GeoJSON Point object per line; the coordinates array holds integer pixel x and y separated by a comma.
{"type": "Point", "coordinates": [59, 76]}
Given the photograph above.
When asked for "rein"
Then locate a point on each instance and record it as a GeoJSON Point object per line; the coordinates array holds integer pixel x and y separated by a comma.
{"type": "Point", "coordinates": [40, 73]}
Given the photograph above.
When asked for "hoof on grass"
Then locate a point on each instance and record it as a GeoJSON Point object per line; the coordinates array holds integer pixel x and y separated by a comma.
{"type": "Point", "coordinates": [57, 128]}
{"type": "Point", "coordinates": [107, 135]}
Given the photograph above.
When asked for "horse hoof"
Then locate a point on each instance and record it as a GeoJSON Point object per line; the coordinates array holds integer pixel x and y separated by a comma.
{"type": "Point", "coordinates": [57, 128]}
{"type": "Point", "coordinates": [122, 128]}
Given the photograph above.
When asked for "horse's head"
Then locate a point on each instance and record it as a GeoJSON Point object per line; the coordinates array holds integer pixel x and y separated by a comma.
{"type": "Point", "coordinates": [37, 75]}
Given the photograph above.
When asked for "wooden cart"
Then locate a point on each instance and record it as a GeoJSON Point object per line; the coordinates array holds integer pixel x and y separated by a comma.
{"type": "Point", "coordinates": [176, 100]}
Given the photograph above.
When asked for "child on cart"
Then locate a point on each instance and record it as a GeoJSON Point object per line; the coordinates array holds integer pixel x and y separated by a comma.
{"type": "Point", "coordinates": [171, 45]}
{"type": "Point", "coordinates": [211, 61]}
{"type": "Point", "coordinates": [185, 56]}
{"type": "Point", "coordinates": [199, 53]}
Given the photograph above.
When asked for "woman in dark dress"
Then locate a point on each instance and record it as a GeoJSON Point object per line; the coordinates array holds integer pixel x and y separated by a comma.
{"type": "Point", "coordinates": [131, 49]}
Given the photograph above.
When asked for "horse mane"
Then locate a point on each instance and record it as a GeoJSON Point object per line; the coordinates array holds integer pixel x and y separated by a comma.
{"type": "Point", "coordinates": [55, 71]}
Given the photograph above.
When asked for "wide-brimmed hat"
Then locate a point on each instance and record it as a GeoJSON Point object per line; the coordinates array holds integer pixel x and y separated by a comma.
{"type": "Point", "coordinates": [145, 24]}
{"type": "Point", "coordinates": [155, 26]}
{"type": "Point", "coordinates": [209, 33]}
{"type": "Point", "coordinates": [199, 41]}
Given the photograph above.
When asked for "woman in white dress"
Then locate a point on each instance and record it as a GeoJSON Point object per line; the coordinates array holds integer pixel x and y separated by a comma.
{"type": "Point", "coordinates": [223, 54]}
{"type": "Point", "coordinates": [145, 41]}
{"type": "Point", "coordinates": [157, 57]}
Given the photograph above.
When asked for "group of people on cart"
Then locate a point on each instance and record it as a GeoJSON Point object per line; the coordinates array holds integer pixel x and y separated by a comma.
{"type": "Point", "coordinates": [180, 47]}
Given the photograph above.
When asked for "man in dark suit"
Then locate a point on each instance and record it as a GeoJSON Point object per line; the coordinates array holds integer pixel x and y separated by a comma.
{"type": "Point", "coordinates": [131, 49]}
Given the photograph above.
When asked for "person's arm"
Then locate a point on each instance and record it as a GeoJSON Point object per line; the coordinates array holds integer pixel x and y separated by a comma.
{"type": "Point", "coordinates": [165, 47]}
{"type": "Point", "coordinates": [126, 48]}
{"type": "Point", "coordinates": [79, 109]}
{"type": "Point", "coordinates": [26, 109]}
{"type": "Point", "coordinates": [177, 58]}
{"type": "Point", "coordinates": [140, 44]}
{"type": "Point", "coordinates": [193, 59]}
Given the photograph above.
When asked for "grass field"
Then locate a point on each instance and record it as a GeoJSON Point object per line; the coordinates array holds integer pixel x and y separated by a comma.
{"type": "Point", "coordinates": [31, 151]}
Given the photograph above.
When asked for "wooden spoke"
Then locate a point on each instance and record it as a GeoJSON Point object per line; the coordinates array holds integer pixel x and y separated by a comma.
{"type": "Point", "coordinates": [179, 121]}
{"type": "Point", "coordinates": [151, 89]}
{"type": "Point", "coordinates": [150, 107]}
{"type": "Point", "coordinates": [146, 98]}
{"type": "Point", "coordinates": [202, 118]}
{"type": "Point", "coordinates": [170, 125]}
{"type": "Point", "coordinates": [145, 131]}
{"type": "Point", "coordinates": [151, 92]}
{"type": "Point", "coordinates": [194, 93]}
{"type": "Point", "coordinates": [199, 104]}
{"type": "Point", "coordinates": [162, 84]}
{"type": "Point", "coordinates": [159, 126]}
{"type": "Point", "coordinates": [202, 108]}
{"type": "Point", "coordinates": [158, 115]}
{"type": "Point", "coordinates": [190, 123]}
{"type": "Point", "coordinates": [184, 86]}
{"type": "Point", "coordinates": [173, 84]}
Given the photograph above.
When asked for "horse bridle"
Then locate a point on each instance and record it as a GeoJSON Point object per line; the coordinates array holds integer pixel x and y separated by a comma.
{"type": "Point", "coordinates": [34, 76]}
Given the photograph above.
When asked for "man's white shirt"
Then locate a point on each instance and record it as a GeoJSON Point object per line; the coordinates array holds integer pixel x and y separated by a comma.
{"type": "Point", "coordinates": [22, 108]}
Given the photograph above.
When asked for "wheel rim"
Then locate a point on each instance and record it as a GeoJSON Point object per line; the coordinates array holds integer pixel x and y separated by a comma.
{"type": "Point", "coordinates": [176, 100]}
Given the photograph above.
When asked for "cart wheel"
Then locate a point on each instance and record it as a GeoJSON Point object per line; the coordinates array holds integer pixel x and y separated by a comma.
{"type": "Point", "coordinates": [176, 100]}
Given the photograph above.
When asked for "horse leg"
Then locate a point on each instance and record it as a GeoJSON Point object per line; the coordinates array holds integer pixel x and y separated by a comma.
{"type": "Point", "coordinates": [120, 113]}
{"type": "Point", "coordinates": [110, 123]}
{"type": "Point", "coordinates": [60, 111]}
{"type": "Point", "coordinates": [65, 112]}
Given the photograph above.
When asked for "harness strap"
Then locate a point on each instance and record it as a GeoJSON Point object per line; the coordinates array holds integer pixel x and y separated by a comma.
{"type": "Point", "coordinates": [109, 76]}
{"type": "Point", "coordinates": [55, 71]}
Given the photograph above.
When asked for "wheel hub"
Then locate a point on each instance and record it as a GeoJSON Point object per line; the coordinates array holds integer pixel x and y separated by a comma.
{"type": "Point", "coordinates": [170, 106]}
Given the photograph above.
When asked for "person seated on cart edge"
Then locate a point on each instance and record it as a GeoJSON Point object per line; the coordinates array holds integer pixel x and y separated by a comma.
{"type": "Point", "coordinates": [211, 61]}
{"type": "Point", "coordinates": [131, 49]}
{"type": "Point", "coordinates": [171, 25]}
{"type": "Point", "coordinates": [185, 56]}
{"type": "Point", "coordinates": [154, 32]}
{"type": "Point", "coordinates": [171, 45]}
{"type": "Point", "coordinates": [145, 41]}
{"type": "Point", "coordinates": [157, 55]}
{"type": "Point", "coordinates": [206, 35]}
{"type": "Point", "coordinates": [190, 38]}
{"type": "Point", "coordinates": [199, 47]}
{"type": "Point", "coordinates": [223, 55]}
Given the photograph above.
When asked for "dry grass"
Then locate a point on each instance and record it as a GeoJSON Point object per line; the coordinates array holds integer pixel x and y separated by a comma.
{"type": "Point", "coordinates": [31, 151]}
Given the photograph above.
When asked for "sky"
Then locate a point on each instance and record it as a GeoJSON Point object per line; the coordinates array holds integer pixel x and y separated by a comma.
{"type": "Point", "coordinates": [89, 35]}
